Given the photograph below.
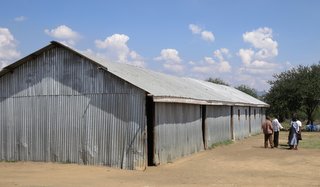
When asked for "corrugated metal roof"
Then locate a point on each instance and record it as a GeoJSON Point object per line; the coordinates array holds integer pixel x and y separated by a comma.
{"type": "Point", "coordinates": [165, 88]}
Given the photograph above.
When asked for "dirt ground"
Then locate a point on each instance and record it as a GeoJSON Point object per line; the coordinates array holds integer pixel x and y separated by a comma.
{"type": "Point", "coordinates": [243, 163]}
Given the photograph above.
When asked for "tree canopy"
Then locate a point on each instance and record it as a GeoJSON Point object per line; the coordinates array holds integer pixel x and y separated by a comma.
{"type": "Point", "coordinates": [217, 81]}
{"type": "Point", "coordinates": [246, 89]}
{"type": "Point", "coordinates": [295, 90]}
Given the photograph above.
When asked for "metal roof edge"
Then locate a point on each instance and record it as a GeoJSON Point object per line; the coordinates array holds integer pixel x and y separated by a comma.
{"type": "Point", "coordinates": [52, 44]}
{"type": "Point", "coordinates": [12, 66]}
{"type": "Point", "coordinates": [170, 99]}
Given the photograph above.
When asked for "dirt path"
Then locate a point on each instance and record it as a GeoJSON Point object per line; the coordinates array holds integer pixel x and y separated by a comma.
{"type": "Point", "coordinates": [244, 163]}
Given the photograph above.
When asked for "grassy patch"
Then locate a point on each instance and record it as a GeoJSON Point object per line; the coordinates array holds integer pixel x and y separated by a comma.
{"type": "Point", "coordinates": [286, 125]}
{"type": "Point", "coordinates": [310, 140]}
{"type": "Point", "coordinates": [227, 142]}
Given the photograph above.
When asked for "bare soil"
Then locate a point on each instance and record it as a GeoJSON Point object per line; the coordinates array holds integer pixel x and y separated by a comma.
{"type": "Point", "coordinates": [243, 163]}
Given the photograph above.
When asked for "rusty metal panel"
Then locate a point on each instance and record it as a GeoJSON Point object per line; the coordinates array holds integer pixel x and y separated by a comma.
{"type": "Point", "coordinates": [178, 131]}
{"type": "Point", "coordinates": [241, 122]}
{"type": "Point", "coordinates": [60, 107]}
{"type": "Point", "coordinates": [217, 124]}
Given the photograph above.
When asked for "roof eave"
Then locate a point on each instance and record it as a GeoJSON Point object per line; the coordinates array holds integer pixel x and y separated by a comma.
{"type": "Point", "coordinates": [170, 99]}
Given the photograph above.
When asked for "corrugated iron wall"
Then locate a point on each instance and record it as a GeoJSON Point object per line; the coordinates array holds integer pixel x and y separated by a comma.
{"type": "Point", "coordinates": [262, 115]}
{"type": "Point", "coordinates": [217, 126]}
{"type": "Point", "coordinates": [178, 131]}
{"type": "Point", "coordinates": [256, 118]}
{"type": "Point", "coordinates": [60, 107]}
{"type": "Point", "coordinates": [241, 122]}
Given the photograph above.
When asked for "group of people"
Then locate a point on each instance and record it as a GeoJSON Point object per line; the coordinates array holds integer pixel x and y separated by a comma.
{"type": "Point", "coordinates": [271, 132]}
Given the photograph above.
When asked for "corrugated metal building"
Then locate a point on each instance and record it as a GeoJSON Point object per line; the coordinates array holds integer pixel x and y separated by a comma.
{"type": "Point", "coordinates": [60, 105]}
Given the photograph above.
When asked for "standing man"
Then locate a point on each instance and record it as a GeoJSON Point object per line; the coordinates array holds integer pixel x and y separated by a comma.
{"type": "Point", "coordinates": [276, 128]}
{"type": "Point", "coordinates": [267, 131]}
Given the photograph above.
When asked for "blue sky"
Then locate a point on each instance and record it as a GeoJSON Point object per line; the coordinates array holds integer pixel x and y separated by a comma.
{"type": "Point", "coordinates": [239, 41]}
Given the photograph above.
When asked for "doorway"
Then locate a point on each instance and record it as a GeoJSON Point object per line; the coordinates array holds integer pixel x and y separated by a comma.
{"type": "Point", "coordinates": [150, 129]}
{"type": "Point", "coordinates": [204, 128]}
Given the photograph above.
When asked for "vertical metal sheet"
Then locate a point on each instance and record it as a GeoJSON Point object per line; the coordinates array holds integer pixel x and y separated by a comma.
{"type": "Point", "coordinates": [256, 119]}
{"type": "Point", "coordinates": [262, 118]}
{"type": "Point", "coordinates": [60, 107]}
{"type": "Point", "coordinates": [178, 131]}
{"type": "Point", "coordinates": [241, 122]}
{"type": "Point", "coordinates": [217, 124]}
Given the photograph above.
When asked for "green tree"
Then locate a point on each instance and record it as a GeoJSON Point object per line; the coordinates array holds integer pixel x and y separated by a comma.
{"type": "Point", "coordinates": [246, 89]}
{"type": "Point", "coordinates": [295, 90]}
{"type": "Point", "coordinates": [310, 89]}
{"type": "Point", "coordinates": [217, 81]}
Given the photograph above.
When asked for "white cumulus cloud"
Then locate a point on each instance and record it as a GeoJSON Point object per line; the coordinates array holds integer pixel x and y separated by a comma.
{"type": "Point", "coordinates": [174, 67]}
{"type": "Point", "coordinates": [116, 46]}
{"type": "Point", "coordinates": [218, 64]}
{"type": "Point", "coordinates": [116, 49]}
{"type": "Point", "coordinates": [203, 69]}
{"type": "Point", "coordinates": [256, 60]}
{"type": "Point", "coordinates": [171, 60]}
{"type": "Point", "coordinates": [262, 40]}
{"type": "Point", "coordinates": [8, 51]}
{"type": "Point", "coordinates": [246, 55]}
{"type": "Point", "coordinates": [191, 62]}
{"type": "Point", "coordinates": [205, 35]}
{"type": "Point", "coordinates": [221, 54]}
{"type": "Point", "coordinates": [20, 18]}
{"type": "Point", "coordinates": [115, 41]}
{"type": "Point", "coordinates": [136, 59]}
{"type": "Point", "coordinates": [259, 67]}
{"type": "Point", "coordinates": [209, 60]}
{"type": "Point", "coordinates": [195, 29]}
{"type": "Point", "coordinates": [169, 55]}
{"type": "Point", "coordinates": [224, 66]}
{"type": "Point", "coordinates": [64, 34]}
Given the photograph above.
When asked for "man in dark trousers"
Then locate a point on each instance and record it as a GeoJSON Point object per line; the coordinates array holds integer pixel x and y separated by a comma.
{"type": "Point", "coordinates": [276, 125]}
{"type": "Point", "coordinates": [267, 131]}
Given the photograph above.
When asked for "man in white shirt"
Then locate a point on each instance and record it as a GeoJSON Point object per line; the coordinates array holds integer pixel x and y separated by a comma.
{"type": "Point", "coordinates": [300, 128]}
{"type": "Point", "coordinates": [276, 128]}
